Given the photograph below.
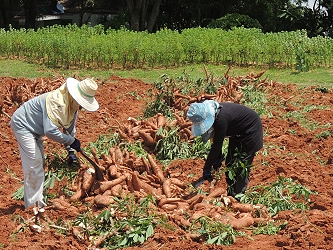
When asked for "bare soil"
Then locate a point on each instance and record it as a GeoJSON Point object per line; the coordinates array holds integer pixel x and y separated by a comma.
{"type": "Point", "coordinates": [301, 155]}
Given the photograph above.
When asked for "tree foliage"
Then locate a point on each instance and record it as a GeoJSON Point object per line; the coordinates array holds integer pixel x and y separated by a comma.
{"type": "Point", "coordinates": [235, 20]}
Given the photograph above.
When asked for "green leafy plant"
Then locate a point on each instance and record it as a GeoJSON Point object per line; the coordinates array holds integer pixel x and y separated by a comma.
{"type": "Point", "coordinates": [156, 106]}
{"type": "Point", "coordinates": [270, 228]}
{"type": "Point", "coordinates": [237, 166]}
{"type": "Point", "coordinates": [104, 142]}
{"type": "Point", "coordinates": [57, 170]}
{"type": "Point", "coordinates": [302, 64]}
{"type": "Point", "coordinates": [255, 98]}
{"type": "Point", "coordinates": [199, 149]}
{"type": "Point", "coordinates": [322, 89]}
{"type": "Point", "coordinates": [215, 232]}
{"type": "Point", "coordinates": [324, 134]}
{"type": "Point", "coordinates": [125, 223]}
{"type": "Point", "coordinates": [137, 148]}
{"type": "Point", "coordinates": [19, 193]}
{"type": "Point", "coordinates": [284, 194]}
{"type": "Point", "coordinates": [171, 146]}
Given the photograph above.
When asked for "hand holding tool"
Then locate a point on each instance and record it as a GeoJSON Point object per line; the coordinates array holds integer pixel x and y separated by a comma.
{"type": "Point", "coordinates": [71, 157]}
{"type": "Point", "coordinates": [76, 145]}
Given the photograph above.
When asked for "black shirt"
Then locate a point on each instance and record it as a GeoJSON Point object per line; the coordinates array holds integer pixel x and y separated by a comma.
{"type": "Point", "coordinates": [242, 124]}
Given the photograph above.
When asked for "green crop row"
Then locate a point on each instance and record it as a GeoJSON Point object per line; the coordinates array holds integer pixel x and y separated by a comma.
{"type": "Point", "coordinates": [93, 47]}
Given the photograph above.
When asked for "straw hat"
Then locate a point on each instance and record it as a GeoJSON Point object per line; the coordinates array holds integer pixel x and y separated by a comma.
{"type": "Point", "coordinates": [83, 92]}
{"type": "Point", "coordinates": [202, 116]}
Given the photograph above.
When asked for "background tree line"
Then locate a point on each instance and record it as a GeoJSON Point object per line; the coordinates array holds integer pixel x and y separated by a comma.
{"type": "Point", "coordinates": [152, 15]}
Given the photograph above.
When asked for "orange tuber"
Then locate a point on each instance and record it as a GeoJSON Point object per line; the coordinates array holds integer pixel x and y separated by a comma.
{"type": "Point", "coordinates": [156, 169]}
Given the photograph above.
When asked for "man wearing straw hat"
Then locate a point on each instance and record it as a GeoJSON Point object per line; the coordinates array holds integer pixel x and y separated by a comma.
{"type": "Point", "coordinates": [243, 127]}
{"type": "Point", "coordinates": [42, 116]}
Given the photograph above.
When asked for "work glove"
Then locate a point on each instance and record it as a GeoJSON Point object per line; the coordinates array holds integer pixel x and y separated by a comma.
{"type": "Point", "coordinates": [76, 145]}
{"type": "Point", "coordinates": [71, 157]}
{"type": "Point", "coordinates": [207, 175]}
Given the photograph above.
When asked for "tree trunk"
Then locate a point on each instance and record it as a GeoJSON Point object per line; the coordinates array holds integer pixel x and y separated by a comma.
{"type": "Point", "coordinates": [30, 13]}
{"type": "Point", "coordinates": [143, 14]}
{"type": "Point", "coordinates": [3, 14]}
{"type": "Point", "coordinates": [134, 11]}
{"type": "Point", "coordinates": [154, 14]}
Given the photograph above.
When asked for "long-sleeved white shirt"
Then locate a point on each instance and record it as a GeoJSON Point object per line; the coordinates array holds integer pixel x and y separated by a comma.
{"type": "Point", "coordinates": [32, 117]}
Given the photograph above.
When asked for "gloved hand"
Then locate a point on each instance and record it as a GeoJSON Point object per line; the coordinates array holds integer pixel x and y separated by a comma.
{"type": "Point", "coordinates": [207, 175]}
{"type": "Point", "coordinates": [71, 158]}
{"type": "Point", "coordinates": [76, 145]}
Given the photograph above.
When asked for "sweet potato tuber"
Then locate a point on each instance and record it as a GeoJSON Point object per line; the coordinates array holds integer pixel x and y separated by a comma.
{"type": "Point", "coordinates": [199, 198]}
{"type": "Point", "coordinates": [164, 201]}
{"type": "Point", "coordinates": [217, 192]}
{"type": "Point", "coordinates": [105, 185]}
{"type": "Point", "coordinates": [94, 153]}
{"type": "Point", "coordinates": [241, 222]}
{"type": "Point", "coordinates": [118, 155]}
{"type": "Point", "coordinates": [151, 125]}
{"type": "Point", "coordinates": [86, 180]}
{"type": "Point", "coordinates": [138, 184]}
{"type": "Point", "coordinates": [169, 206]}
{"type": "Point", "coordinates": [161, 120]}
{"type": "Point", "coordinates": [156, 169]}
{"type": "Point", "coordinates": [178, 183]}
{"type": "Point", "coordinates": [147, 139]}
{"type": "Point", "coordinates": [182, 207]}
{"type": "Point", "coordinates": [122, 134]}
{"type": "Point", "coordinates": [103, 200]}
{"type": "Point", "coordinates": [59, 204]}
{"type": "Point", "coordinates": [117, 190]}
{"type": "Point", "coordinates": [180, 221]}
{"type": "Point", "coordinates": [243, 208]}
{"type": "Point", "coordinates": [167, 188]}
{"type": "Point", "coordinates": [113, 171]}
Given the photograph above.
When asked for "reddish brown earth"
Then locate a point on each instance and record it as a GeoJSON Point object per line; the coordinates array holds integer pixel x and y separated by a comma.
{"type": "Point", "coordinates": [300, 155]}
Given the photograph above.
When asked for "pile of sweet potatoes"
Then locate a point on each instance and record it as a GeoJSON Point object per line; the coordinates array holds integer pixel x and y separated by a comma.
{"type": "Point", "coordinates": [125, 174]}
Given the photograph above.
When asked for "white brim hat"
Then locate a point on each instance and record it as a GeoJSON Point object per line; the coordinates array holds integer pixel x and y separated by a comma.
{"type": "Point", "coordinates": [83, 92]}
{"type": "Point", "coordinates": [202, 116]}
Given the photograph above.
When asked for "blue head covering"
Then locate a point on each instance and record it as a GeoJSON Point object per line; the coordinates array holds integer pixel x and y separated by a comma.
{"type": "Point", "coordinates": [202, 116]}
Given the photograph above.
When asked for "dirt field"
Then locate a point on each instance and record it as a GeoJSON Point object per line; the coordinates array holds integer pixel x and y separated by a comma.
{"type": "Point", "coordinates": [299, 155]}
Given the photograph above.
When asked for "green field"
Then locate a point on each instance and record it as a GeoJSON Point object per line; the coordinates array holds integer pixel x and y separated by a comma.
{"type": "Point", "coordinates": [316, 77]}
